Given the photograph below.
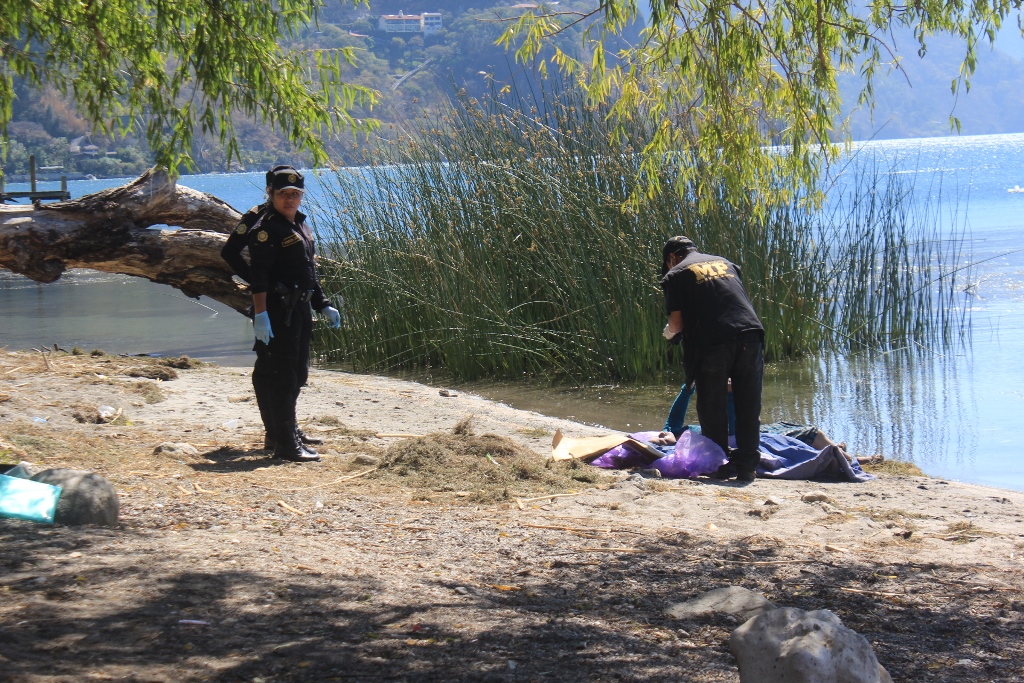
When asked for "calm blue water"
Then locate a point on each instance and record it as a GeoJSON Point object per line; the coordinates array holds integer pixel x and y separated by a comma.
{"type": "Point", "coordinates": [79, 308]}
{"type": "Point", "coordinates": [955, 412]}
{"type": "Point", "coordinates": [975, 395]}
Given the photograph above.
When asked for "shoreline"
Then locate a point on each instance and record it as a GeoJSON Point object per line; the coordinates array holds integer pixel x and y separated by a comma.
{"type": "Point", "coordinates": [405, 576]}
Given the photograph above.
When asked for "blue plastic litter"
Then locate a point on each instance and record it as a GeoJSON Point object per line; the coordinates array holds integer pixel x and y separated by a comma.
{"type": "Point", "coordinates": [27, 499]}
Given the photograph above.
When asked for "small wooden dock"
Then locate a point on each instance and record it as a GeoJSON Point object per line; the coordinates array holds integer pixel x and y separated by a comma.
{"type": "Point", "coordinates": [33, 194]}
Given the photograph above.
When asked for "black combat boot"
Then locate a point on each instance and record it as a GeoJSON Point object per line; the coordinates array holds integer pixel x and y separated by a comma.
{"type": "Point", "coordinates": [309, 449]}
{"type": "Point", "coordinates": [270, 443]}
{"type": "Point", "coordinates": [726, 471]}
{"type": "Point", "coordinates": [292, 450]}
{"type": "Point", "coordinates": [308, 440]}
{"type": "Point", "coordinates": [746, 464]}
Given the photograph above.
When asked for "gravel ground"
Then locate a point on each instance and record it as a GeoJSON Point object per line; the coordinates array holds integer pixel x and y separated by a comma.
{"type": "Point", "coordinates": [230, 566]}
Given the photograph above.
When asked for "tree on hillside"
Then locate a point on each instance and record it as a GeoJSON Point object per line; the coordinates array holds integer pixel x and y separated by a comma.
{"type": "Point", "coordinates": [170, 68]}
{"type": "Point", "coordinates": [724, 83]}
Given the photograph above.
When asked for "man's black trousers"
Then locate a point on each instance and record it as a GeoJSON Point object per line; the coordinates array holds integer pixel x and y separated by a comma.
{"type": "Point", "coordinates": [740, 359]}
{"type": "Point", "coordinates": [282, 367]}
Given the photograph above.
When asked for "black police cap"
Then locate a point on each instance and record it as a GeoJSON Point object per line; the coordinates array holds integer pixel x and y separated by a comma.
{"type": "Point", "coordinates": [285, 178]}
{"type": "Point", "coordinates": [271, 172]}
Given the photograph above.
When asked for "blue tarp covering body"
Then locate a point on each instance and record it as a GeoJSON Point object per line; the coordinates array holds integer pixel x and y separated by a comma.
{"type": "Point", "coordinates": [783, 457]}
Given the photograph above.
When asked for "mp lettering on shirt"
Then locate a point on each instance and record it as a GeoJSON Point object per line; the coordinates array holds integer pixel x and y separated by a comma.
{"type": "Point", "coordinates": [710, 270]}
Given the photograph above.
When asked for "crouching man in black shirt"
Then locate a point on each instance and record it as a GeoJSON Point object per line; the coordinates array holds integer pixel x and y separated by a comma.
{"type": "Point", "coordinates": [722, 338]}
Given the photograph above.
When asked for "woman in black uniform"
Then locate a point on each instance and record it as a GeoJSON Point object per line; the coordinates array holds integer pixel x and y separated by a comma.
{"type": "Point", "coordinates": [285, 290]}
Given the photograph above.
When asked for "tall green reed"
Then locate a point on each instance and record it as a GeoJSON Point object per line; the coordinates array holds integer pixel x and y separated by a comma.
{"type": "Point", "coordinates": [499, 241]}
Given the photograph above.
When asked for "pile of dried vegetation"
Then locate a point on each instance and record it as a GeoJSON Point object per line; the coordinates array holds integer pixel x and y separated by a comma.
{"type": "Point", "coordinates": [480, 468]}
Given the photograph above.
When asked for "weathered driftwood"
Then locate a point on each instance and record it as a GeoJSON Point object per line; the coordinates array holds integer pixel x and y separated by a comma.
{"type": "Point", "coordinates": [111, 231]}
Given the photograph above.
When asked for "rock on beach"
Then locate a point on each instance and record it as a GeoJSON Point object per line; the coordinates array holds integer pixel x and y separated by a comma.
{"type": "Point", "coordinates": [86, 497]}
{"type": "Point", "coordinates": [789, 645]}
{"type": "Point", "coordinates": [734, 601]}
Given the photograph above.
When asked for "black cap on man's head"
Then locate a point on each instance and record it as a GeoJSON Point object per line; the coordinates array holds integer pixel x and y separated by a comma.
{"type": "Point", "coordinates": [285, 178]}
{"type": "Point", "coordinates": [678, 245]}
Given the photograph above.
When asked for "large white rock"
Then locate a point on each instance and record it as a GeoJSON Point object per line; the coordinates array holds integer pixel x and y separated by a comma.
{"type": "Point", "coordinates": [789, 645]}
{"type": "Point", "coordinates": [732, 600]}
{"type": "Point", "coordinates": [85, 497]}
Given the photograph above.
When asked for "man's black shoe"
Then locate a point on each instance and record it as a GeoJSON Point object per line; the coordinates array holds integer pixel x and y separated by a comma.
{"type": "Point", "coordinates": [294, 451]}
{"type": "Point", "coordinates": [302, 457]}
{"type": "Point", "coordinates": [270, 445]}
{"type": "Point", "coordinates": [746, 476]}
{"type": "Point", "coordinates": [726, 471]}
{"type": "Point", "coordinates": [296, 455]}
{"type": "Point", "coordinates": [308, 440]}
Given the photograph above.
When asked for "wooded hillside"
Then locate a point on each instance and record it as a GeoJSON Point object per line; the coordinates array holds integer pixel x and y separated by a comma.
{"type": "Point", "coordinates": [414, 73]}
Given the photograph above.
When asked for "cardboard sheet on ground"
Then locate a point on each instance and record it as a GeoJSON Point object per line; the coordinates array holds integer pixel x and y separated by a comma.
{"type": "Point", "coordinates": [588, 448]}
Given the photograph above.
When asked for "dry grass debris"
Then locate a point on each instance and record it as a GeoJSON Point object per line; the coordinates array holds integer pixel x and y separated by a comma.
{"type": "Point", "coordinates": [150, 392]}
{"type": "Point", "coordinates": [335, 427]}
{"type": "Point", "coordinates": [485, 468]}
{"type": "Point", "coordinates": [965, 531]}
{"type": "Point", "coordinates": [890, 514]}
{"type": "Point", "coordinates": [900, 468]}
{"type": "Point", "coordinates": [164, 374]}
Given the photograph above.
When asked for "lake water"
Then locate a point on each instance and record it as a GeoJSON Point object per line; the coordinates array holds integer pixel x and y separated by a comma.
{"type": "Point", "coordinates": [955, 412]}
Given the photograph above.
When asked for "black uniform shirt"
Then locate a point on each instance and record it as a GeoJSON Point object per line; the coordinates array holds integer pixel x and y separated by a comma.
{"type": "Point", "coordinates": [708, 291]}
{"type": "Point", "coordinates": [282, 252]}
{"type": "Point", "coordinates": [238, 239]}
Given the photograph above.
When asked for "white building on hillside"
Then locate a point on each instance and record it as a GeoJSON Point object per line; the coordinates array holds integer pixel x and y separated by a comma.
{"type": "Point", "coordinates": [428, 22]}
{"type": "Point", "coordinates": [431, 22]}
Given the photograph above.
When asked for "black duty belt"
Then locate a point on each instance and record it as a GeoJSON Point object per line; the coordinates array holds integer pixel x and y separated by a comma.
{"type": "Point", "coordinates": [291, 298]}
{"type": "Point", "coordinates": [293, 293]}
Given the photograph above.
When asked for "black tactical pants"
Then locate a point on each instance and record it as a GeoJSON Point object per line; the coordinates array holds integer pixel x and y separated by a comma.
{"type": "Point", "coordinates": [740, 359]}
{"type": "Point", "coordinates": [282, 367]}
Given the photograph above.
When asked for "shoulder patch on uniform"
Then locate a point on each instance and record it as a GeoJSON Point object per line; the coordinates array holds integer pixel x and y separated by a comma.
{"type": "Point", "coordinates": [241, 229]}
{"type": "Point", "coordinates": [290, 240]}
{"type": "Point", "coordinates": [262, 236]}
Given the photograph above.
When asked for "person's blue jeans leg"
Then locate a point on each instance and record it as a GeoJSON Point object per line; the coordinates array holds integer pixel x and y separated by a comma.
{"type": "Point", "coordinates": [677, 413]}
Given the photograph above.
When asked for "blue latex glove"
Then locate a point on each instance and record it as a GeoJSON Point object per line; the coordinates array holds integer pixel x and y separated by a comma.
{"type": "Point", "coordinates": [261, 326]}
{"type": "Point", "coordinates": [333, 317]}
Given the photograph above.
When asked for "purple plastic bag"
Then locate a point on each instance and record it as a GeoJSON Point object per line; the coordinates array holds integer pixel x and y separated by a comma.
{"type": "Point", "coordinates": [622, 458]}
{"type": "Point", "coordinates": [694, 455]}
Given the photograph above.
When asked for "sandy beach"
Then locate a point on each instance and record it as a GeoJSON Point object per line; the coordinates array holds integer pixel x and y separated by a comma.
{"type": "Point", "coordinates": [414, 553]}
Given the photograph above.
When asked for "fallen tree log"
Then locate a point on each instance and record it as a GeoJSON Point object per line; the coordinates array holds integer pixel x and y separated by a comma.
{"type": "Point", "coordinates": [150, 228]}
